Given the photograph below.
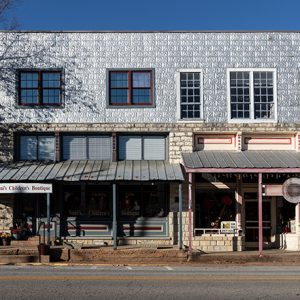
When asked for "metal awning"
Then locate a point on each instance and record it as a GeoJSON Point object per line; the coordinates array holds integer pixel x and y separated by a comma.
{"type": "Point", "coordinates": [242, 161]}
{"type": "Point", "coordinates": [92, 170]}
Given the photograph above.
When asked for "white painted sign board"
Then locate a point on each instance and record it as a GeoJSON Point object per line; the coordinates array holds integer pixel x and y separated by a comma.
{"type": "Point", "coordinates": [25, 188]}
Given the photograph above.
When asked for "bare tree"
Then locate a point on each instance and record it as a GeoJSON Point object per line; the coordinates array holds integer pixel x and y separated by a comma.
{"type": "Point", "coordinates": [33, 50]}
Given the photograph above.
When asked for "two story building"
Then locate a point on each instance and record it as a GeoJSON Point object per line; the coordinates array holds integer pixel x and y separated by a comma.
{"type": "Point", "coordinates": [130, 117]}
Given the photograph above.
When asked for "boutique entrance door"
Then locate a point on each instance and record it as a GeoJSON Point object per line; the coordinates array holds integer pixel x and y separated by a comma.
{"type": "Point", "coordinates": [251, 220]}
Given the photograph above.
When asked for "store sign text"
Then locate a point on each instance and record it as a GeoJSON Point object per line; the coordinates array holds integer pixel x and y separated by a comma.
{"type": "Point", "coordinates": [25, 188]}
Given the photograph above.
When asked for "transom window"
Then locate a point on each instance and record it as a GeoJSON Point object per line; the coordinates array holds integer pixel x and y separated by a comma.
{"type": "Point", "coordinates": [81, 147]}
{"type": "Point", "coordinates": [190, 95]}
{"type": "Point", "coordinates": [40, 88]}
{"type": "Point", "coordinates": [130, 87]}
{"type": "Point", "coordinates": [37, 147]}
{"type": "Point", "coordinates": [142, 147]}
{"type": "Point", "coordinates": [252, 94]}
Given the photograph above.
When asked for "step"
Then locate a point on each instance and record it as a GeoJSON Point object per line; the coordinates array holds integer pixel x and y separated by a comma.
{"type": "Point", "coordinates": [15, 259]}
{"type": "Point", "coordinates": [28, 243]}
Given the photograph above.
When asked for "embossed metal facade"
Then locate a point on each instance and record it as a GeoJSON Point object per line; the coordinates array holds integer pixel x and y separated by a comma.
{"type": "Point", "coordinates": [86, 58]}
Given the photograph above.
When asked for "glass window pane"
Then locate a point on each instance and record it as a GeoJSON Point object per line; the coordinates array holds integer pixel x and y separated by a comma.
{"type": "Point", "coordinates": [74, 147]}
{"type": "Point", "coordinates": [130, 148]}
{"type": "Point", "coordinates": [46, 148]}
{"type": "Point", "coordinates": [141, 96]}
{"type": "Point", "coordinates": [119, 96]}
{"type": "Point", "coordinates": [141, 79]}
{"type": "Point", "coordinates": [190, 87]}
{"type": "Point", "coordinates": [118, 79]}
{"type": "Point", "coordinates": [28, 148]}
{"type": "Point", "coordinates": [239, 97]}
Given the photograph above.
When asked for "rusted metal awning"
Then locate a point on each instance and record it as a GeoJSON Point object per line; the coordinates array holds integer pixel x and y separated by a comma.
{"type": "Point", "coordinates": [242, 161]}
{"type": "Point", "coordinates": [92, 170]}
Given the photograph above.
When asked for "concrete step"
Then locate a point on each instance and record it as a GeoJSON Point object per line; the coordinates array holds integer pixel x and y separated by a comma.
{"type": "Point", "coordinates": [15, 259]}
{"type": "Point", "coordinates": [32, 241]}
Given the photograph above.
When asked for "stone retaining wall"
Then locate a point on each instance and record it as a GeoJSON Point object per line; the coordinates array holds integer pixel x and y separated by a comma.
{"type": "Point", "coordinates": [219, 243]}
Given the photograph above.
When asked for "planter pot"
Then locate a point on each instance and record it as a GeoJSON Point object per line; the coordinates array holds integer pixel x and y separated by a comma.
{"type": "Point", "coordinates": [43, 249]}
{"type": "Point", "coordinates": [6, 242]}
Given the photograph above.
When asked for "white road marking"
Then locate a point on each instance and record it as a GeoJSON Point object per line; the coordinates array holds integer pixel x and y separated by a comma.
{"type": "Point", "coordinates": [129, 268]}
{"type": "Point", "coordinates": [169, 268]}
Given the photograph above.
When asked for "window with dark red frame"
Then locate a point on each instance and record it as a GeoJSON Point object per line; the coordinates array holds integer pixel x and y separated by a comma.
{"type": "Point", "coordinates": [130, 87]}
{"type": "Point", "coordinates": [40, 88]}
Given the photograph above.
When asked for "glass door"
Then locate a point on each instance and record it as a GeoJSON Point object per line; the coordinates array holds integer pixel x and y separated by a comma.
{"type": "Point", "coordinates": [251, 220]}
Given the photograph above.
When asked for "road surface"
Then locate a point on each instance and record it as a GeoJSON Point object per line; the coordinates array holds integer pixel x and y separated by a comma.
{"type": "Point", "coordinates": [145, 282]}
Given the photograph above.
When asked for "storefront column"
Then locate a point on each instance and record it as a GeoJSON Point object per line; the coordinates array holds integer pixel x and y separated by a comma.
{"type": "Point", "coordinates": [260, 220]}
{"type": "Point", "coordinates": [180, 215]}
{"type": "Point", "coordinates": [48, 219]}
{"type": "Point", "coordinates": [114, 192]}
{"type": "Point", "coordinates": [190, 211]}
{"type": "Point", "coordinates": [238, 202]}
{"type": "Point", "coordinates": [297, 217]}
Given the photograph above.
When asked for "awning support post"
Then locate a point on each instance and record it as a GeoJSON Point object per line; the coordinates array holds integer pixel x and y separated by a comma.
{"type": "Point", "coordinates": [48, 219]}
{"type": "Point", "coordinates": [180, 215]}
{"type": "Point", "coordinates": [114, 216]}
{"type": "Point", "coordinates": [190, 212]}
{"type": "Point", "coordinates": [260, 217]}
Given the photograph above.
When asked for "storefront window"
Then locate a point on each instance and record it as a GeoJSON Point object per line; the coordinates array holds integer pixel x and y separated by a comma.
{"type": "Point", "coordinates": [147, 201]}
{"type": "Point", "coordinates": [98, 201]}
{"type": "Point", "coordinates": [213, 207]}
{"type": "Point", "coordinates": [72, 202]}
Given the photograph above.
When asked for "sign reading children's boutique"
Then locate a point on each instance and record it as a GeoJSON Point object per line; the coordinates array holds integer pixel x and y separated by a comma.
{"type": "Point", "coordinates": [25, 188]}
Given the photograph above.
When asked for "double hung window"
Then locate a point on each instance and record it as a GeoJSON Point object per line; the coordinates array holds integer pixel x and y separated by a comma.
{"type": "Point", "coordinates": [190, 85]}
{"type": "Point", "coordinates": [130, 87]}
{"type": "Point", "coordinates": [252, 94]}
{"type": "Point", "coordinates": [40, 88]}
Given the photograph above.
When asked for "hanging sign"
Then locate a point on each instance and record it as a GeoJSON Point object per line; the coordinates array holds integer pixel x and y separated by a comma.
{"type": "Point", "coordinates": [291, 190]}
{"type": "Point", "coordinates": [25, 188]}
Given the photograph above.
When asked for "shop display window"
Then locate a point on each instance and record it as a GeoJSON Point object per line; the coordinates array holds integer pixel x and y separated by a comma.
{"type": "Point", "coordinates": [213, 207]}
{"type": "Point", "coordinates": [148, 201]}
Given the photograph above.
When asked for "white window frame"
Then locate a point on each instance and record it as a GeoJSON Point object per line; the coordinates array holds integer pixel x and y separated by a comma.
{"type": "Point", "coordinates": [251, 119]}
{"type": "Point", "coordinates": [179, 119]}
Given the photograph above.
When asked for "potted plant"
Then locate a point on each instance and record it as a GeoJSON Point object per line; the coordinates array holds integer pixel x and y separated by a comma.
{"type": "Point", "coordinates": [5, 238]}
{"type": "Point", "coordinates": [16, 233]}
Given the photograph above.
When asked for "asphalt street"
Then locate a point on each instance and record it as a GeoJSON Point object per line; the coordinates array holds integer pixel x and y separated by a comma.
{"type": "Point", "coordinates": [146, 282]}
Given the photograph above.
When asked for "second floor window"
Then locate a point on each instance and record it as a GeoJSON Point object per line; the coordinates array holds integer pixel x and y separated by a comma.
{"type": "Point", "coordinates": [130, 87]}
{"type": "Point", "coordinates": [40, 88]}
{"type": "Point", "coordinates": [190, 95]}
{"type": "Point", "coordinates": [252, 94]}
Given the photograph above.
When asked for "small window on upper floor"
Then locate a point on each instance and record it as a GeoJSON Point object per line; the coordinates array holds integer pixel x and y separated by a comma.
{"type": "Point", "coordinates": [37, 147]}
{"type": "Point", "coordinates": [190, 95]}
{"type": "Point", "coordinates": [130, 88]}
{"type": "Point", "coordinates": [252, 95]}
{"type": "Point", "coordinates": [40, 87]}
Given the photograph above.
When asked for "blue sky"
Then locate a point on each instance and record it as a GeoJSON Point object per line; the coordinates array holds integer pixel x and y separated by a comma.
{"type": "Point", "coordinates": [158, 14]}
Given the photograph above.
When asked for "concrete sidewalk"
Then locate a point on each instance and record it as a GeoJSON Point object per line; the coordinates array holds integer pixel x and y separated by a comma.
{"type": "Point", "coordinates": [146, 255]}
